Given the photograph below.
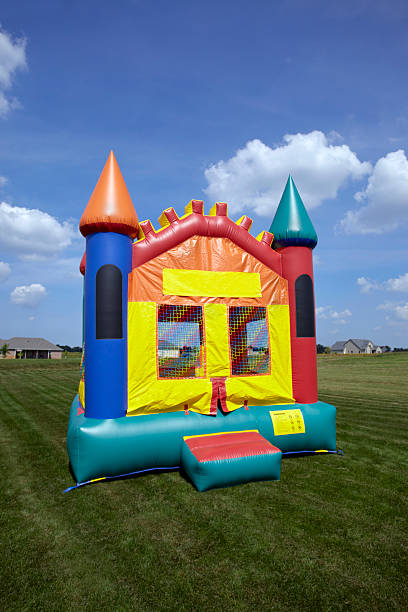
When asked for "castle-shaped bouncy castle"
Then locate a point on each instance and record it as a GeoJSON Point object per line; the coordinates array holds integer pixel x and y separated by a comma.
{"type": "Point", "coordinates": [199, 342]}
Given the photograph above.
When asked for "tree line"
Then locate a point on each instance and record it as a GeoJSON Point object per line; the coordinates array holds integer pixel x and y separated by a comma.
{"type": "Point", "coordinates": [70, 349]}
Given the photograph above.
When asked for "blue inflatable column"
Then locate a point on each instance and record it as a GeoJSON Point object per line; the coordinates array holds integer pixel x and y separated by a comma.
{"type": "Point", "coordinates": [108, 263]}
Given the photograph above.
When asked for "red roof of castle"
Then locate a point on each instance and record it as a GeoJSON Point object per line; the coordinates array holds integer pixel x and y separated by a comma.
{"type": "Point", "coordinates": [175, 230]}
{"type": "Point", "coordinates": [110, 208]}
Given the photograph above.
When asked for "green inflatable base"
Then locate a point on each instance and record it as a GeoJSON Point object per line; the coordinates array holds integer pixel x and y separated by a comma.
{"type": "Point", "coordinates": [110, 447]}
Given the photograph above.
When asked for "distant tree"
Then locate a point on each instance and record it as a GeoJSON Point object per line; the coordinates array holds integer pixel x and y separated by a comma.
{"type": "Point", "coordinates": [327, 350]}
{"type": "Point", "coordinates": [400, 350]}
{"type": "Point", "coordinates": [4, 349]}
{"type": "Point", "coordinates": [320, 349]}
{"type": "Point", "coordinates": [70, 349]}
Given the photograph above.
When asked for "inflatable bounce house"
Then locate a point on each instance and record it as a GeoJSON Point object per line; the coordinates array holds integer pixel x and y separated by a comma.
{"type": "Point", "coordinates": [199, 343]}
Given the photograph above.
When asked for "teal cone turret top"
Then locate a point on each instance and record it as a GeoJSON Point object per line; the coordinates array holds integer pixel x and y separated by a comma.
{"type": "Point", "coordinates": [291, 225]}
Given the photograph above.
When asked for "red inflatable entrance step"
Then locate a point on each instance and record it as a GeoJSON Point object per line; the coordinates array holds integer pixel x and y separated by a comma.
{"type": "Point", "coordinates": [226, 459]}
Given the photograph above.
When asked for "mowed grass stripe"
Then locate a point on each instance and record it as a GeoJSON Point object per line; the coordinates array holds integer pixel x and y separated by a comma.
{"type": "Point", "coordinates": [51, 541]}
{"type": "Point", "coordinates": [331, 535]}
{"type": "Point", "coordinates": [26, 427]}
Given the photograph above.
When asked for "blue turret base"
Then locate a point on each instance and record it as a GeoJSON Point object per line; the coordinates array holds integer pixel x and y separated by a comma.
{"type": "Point", "coordinates": [100, 448]}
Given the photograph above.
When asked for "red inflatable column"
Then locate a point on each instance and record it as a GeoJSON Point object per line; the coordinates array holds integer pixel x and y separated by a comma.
{"type": "Point", "coordinates": [297, 268]}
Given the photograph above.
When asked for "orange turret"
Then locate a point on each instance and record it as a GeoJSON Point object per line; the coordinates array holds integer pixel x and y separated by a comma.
{"type": "Point", "coordinates": [110, 208]}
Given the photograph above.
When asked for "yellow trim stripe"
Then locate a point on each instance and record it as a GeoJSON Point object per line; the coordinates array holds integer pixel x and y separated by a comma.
{"type": "Point", "coordinates": [205, 283]}
{"type": "Point", "coordinates": [221, 433]}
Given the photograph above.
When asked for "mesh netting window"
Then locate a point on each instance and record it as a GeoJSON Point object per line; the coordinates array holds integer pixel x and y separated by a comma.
{"type": "Point", "coordinates": [180, 341]}
{"type": "Point", "coordinates": [249, 341]}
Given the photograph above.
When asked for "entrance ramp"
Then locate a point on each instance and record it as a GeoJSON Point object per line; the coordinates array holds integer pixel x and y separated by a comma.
{"type": "Point", "coordinates": [226, 459]}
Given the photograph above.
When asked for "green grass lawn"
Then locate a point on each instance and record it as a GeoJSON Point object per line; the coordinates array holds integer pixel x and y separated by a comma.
{"type": "Point", "coordinates": [331, 535]}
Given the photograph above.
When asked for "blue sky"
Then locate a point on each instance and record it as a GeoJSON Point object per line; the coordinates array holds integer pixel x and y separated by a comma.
{"type": "Point", "coordinates": [215, 100]}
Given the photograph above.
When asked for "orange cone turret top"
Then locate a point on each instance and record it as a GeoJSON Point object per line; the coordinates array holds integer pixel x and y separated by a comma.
{"type": "Point", "coordinates": [110, 208]}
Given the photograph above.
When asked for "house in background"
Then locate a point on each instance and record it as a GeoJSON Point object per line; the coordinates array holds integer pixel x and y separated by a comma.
{"type": "Point", "coordinates": [31, 348]}
{"type": "Point", "coordinates": [355, 346]}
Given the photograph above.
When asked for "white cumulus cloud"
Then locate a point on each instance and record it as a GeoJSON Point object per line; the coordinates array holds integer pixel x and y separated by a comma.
{"type": "Point", "coordinates": [385, 199]}
{"type": "Point", "coordinates": [12, 58]}
{"type": "Point", "coordinates": [5, 271]}
{"type": "Point", "coordinates": [366, 285]}
{"type": "Point", "coordinates": [255, 176]}
{"type": "Point", "coordinates": [28, 295]}
{"type": "Point", "coordinates": [398, 284]}
{"type": "Point", "coordinates": [399, 310]}
{"type": "Point", "coordinates": [328, 313]}
{"type": "Point", "coordinates": [392, 284]}
{"type": "Point", "coordinates": [32, 233]}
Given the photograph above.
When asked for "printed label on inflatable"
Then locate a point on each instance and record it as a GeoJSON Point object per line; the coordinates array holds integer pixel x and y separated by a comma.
{"type": "Point", "coordinates": [287, 422]}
